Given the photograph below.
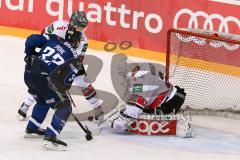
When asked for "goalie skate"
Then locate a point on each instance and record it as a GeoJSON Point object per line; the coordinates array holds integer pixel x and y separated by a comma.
{"type": "Point", "coordinates": [52, 143]}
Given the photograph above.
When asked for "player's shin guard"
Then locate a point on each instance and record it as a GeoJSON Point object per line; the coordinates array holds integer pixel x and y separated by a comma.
{"type": "Point", "coordinates": [38, 115]}
{"type": "Point", "coordinates": [58, 121]}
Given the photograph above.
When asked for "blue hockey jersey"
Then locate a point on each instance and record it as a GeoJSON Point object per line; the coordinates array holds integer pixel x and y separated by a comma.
{"type": "Point", "coordinates": [53, 53]}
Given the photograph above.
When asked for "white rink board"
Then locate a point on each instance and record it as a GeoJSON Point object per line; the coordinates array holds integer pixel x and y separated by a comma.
{"type": "Point", "coordinates": [220, 142]}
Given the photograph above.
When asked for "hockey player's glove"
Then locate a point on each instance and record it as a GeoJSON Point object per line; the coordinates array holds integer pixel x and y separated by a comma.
{"type": "Point", "coordinates": [33, 64]}
{"type": "Point", "coordinates": [59, 75]}
{"type": "Point", "coordinates": [30, 60]}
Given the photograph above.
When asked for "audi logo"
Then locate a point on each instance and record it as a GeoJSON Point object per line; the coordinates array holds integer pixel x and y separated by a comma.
{"type": "Point", "coordinates": [152, 127]}
{"type": "Point", "coordinates": [208, 23]}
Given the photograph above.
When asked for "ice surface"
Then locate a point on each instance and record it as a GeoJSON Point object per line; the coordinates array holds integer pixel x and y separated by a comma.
{"type": "Point", "coordinates": [217, 138]}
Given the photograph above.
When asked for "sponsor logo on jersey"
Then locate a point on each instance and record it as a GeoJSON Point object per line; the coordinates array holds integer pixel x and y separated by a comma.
{"type": "Point", "coordinates": [50, 101]}
{"type": "Point", "coordinates": [137, 88]}
{"type": "Point", "coordinates": [61, 28]}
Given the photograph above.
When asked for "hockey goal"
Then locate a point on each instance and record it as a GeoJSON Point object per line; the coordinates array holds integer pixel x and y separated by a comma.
{"type": "Point", "coordinates": [207, 65]}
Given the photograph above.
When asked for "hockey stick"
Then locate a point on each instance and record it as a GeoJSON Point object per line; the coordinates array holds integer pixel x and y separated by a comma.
{"type": "Point", "coordinates": [85, 129]}
{"type": "Point", "coordinates": [88, 132]}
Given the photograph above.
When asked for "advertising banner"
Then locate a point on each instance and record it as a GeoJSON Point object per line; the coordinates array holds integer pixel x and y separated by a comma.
{"type": "Point", "coordinates": [144, 23]}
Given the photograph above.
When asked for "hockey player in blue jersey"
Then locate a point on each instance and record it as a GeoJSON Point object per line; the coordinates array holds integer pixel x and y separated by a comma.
{"type": "Point", "coordinates": [48, 75]}
{"type": "Point", "coordinates": [60, 28]}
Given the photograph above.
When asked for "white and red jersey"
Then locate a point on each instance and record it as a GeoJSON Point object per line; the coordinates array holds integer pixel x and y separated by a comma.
{"type": "Point", "coordinates": [148, 82]}
{"type": "Point", "coordinates": [147, 91]}
{"type": "Point", "coordinates": [59, 28]}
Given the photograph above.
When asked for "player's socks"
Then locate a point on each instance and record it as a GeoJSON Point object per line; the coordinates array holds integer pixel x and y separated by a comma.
{"type": "Point", "coordinates": [22, 111]}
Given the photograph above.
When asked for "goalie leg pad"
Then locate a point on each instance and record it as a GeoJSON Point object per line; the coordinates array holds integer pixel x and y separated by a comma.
{"type": "Point", "coordinates": [123, 121]}
{"type": "Point", "coordinates": [133, 110]}
{"type": "Point", "coordinates": [184, 129]}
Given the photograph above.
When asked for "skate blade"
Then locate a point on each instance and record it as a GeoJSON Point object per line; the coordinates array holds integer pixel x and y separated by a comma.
{"type": "Point", "coordinates": [33, 135]}
{"type": "Point", "coordinates": [53, 146]}
{"type": "Point", "coordinates": [21, 118]}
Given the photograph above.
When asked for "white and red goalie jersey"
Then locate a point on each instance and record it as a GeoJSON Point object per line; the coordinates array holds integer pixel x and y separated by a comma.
{"type": "Point", "coordinates": [149, 96]}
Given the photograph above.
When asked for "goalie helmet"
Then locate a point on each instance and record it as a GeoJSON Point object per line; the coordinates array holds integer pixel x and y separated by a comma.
{"type": "Point", "coordinates": [79, 19]}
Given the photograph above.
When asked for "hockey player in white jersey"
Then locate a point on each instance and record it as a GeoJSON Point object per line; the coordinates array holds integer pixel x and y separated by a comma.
{"type": "Point", "coordinates": [60, 28]}
{"type": "Point", "coordinates": [149, 93]}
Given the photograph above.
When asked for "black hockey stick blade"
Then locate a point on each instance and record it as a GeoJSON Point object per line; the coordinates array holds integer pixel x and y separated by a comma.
{"type": "Point", "coordinates": [85, 129]}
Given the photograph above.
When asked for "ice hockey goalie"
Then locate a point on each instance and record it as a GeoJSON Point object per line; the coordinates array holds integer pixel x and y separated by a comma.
{"type": "Point", "coordinates": [152, 105]}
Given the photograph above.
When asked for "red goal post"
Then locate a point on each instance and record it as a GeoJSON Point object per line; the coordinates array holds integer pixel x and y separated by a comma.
{"type": "Point", "coordinates": [207, 65]}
